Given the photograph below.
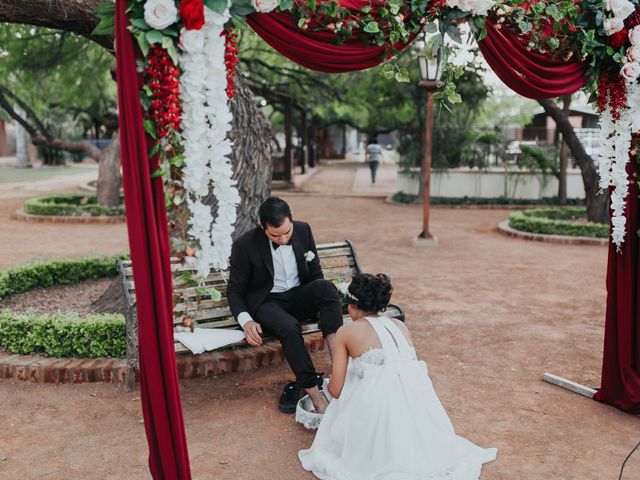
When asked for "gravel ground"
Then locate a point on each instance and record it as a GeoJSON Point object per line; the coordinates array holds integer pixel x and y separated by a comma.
{"type": "Point", "coordinates": [489, 314]}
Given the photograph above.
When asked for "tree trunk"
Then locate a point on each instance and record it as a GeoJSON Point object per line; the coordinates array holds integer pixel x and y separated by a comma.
{"type": "Point", "coordinates": [22, 144]}
{"type": "Point", "coordinates": [597, 202]}
{"type": "Point", "coordinates": [251, 156]}
{"type": "Point", "coordinates": [564, 156]}
{"type": "Point", "coordinates": [108, 191]}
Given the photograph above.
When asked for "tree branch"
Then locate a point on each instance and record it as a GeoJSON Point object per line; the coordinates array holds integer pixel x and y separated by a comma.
{"type": "Point", "coordinates": [40, 135]}
{"type": "Point", "coordinates": [77, 16]}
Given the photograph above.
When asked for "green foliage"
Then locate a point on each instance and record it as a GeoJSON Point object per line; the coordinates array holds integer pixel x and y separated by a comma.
{"type": "Point", "coordinates": [63, 335]}
{"type": "Point", "coordinates": [401, 197]}
{"type": "Point", "coordinates": [534, 160]}
{"type": "Point", "coordinates": [69, 205]}
{"type": "Point", "coordinates": [56, 272]}
{"type": "Point", "coordinates": [64, 78]}
{"type": "Point", "coordinates": [555, 221]}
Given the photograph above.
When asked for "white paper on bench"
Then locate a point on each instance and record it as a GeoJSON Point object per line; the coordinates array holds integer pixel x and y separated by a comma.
{"type": "Point", "coordinates": [205, 339]}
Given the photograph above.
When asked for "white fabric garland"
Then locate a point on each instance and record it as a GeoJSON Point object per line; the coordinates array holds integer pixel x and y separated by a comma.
{"type": "Point", "coordinates": [206, 122]}
{"type": "Point", "coordinates": [614, 158]}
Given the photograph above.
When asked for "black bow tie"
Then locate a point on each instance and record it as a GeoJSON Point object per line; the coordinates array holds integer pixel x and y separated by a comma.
{"type": "Point", "coordinates": [276, 245]}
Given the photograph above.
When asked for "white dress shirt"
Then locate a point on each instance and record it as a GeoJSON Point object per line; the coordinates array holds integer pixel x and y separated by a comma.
{"type": "Point", "coordinates": [285, 274]}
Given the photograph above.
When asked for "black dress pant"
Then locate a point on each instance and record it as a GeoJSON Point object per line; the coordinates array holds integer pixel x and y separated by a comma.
{"type": "Point", "coordinates": [281, 313]}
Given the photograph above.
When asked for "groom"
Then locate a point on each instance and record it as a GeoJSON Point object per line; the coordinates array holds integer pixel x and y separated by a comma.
{"type": "Point", "coordinates": [275, 282]}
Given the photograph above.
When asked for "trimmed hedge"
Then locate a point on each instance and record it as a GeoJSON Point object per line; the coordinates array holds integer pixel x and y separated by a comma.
{"type": "Point", "coordinates": [63, 335]}
{"type": "Point", "coordinates": [555, 221]}
{"type": "Point", "coordinates": [401, 197]}
{"type": "Point", "coordinates": [56, 272]}
{"type": "Point", "coordinates": [74, 205]}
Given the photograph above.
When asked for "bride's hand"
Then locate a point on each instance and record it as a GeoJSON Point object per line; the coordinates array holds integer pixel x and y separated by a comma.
{"type": "Point", "coordinates": [253, 330]}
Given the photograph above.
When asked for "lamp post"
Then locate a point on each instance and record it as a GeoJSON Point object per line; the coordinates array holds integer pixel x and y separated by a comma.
{"type": "Point", "coordinates": [431, 63]}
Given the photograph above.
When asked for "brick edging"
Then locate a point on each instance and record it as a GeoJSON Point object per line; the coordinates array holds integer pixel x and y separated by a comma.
{"type": "Point", "coordinates": [21, 216]}
{"type": "Point", "coordinates": [505, 229]}
{"type": "Point", "coordinates": [40, 369]}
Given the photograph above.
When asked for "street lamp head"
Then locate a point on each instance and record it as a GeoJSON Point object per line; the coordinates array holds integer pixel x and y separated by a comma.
{"type": "Point", "coordinates": [431, 62]}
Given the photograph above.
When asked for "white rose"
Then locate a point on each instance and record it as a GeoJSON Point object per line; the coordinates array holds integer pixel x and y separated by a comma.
{"type": "Point", "coordinates": [634, 36]}
{"type": "Point", "coordinates": [631, 71]}
{"type": "Point", "coordinates": [264, 6]}
{"type": "Point", "coordinates": [634, 53]}
{"type": "Point", "coordinates": [191, 41]}
{"type": "Point", "coordinates": [159, 14]}
{"type": "Point", "coordinates": [613, 25]}
{"type": "Point", "coordinates": [620, 8]}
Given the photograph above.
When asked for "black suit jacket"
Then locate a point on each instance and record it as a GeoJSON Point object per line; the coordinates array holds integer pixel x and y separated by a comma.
{"type": "Point", "coordinates": [251, 267]}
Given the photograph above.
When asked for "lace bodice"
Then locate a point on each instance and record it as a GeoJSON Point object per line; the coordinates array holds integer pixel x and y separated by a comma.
{"type": "Point", "coordinates": [372, 357]}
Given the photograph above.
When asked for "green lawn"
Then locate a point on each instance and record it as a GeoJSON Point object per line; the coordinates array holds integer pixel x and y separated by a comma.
{"type": "Point", "coordinates": [12, 174]}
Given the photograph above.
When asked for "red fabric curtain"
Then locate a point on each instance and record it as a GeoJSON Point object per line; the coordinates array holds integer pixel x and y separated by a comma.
{"type": "Point", "coordinates": [149, 246]}
{"type": "Point", "coordinates": [314, 49]}
{"type": "Point", "coordinates": [530, 74]}
{"type": "Point", "coordinates": [620, 385]}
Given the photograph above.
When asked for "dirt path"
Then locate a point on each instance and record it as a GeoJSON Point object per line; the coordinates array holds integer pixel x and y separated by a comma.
{"type": "Point", "coordinates": [490, 315]}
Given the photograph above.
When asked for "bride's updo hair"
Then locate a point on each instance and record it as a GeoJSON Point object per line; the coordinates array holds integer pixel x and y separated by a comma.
{"type": "Point", "coordinates": [370, 293]}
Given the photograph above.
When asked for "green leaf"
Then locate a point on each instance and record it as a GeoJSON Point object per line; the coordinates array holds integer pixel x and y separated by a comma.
{"type": "Point", "coordinates": [454, 33]}
{"type": "Point", "coordinates": [159, 172]}
{"type": "Point", "coordinates": [167, 43]}
{"type": "Point", "coordinates": [285, 4]}
{"type": "Point", "coordinates": [218, 6]}
{"type": "Point", "coordinates": [140, 23]}
{"type": "Point", "coordinates": [173, 53]}
{"type": "Point", "coordinates": [106, 8]}
{"type": "Point", "coordinates": [215, 295]}
{"type": "Point", "coordinates": [431, 28]}
{"type": "Point", "coordinates": [372, 27]}
{"type": "Point", "coordinates": [525, 26]}
{"type": "Point", "coordinates": [394, 8]}
{"type": "Point", "coordinates": [402, 76]}
{"type": "Point", "coordinates": [150, 128]}
{"type": "Point", "coordinates": [154, 36]}
{"type": "Point", "coordinates": [105, 27]}
{"type": "Point", "coordinates": [454, 98]}
{"type": "Point", "coordinates": [302, 22]}
{"type": "Point", "coordinates": [142, 43]}
{"type": "Point", "coordinates": [313, 4]}
{"type": "Point", "coordinates": [177, 160]}
{"type": "Point", "coordinates": [366, 9]}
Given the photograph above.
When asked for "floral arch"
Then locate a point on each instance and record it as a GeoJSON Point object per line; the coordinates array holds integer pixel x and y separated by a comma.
{"type": "Point", "coordinates": [175, 65]}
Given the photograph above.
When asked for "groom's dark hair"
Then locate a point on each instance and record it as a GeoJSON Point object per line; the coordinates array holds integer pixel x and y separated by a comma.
{"type": "Point", "coordinates": [274, 211]}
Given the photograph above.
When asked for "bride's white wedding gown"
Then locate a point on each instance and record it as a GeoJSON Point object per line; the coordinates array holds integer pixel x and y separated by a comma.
{"type": "Point", "coordinates": [389, 424]}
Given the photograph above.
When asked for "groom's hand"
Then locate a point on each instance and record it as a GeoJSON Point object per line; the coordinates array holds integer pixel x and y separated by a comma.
{"type": "Point", "coordinates": [252, 331]}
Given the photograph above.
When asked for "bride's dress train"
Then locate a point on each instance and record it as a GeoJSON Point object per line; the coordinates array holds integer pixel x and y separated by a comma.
{"type": "Point", "coordinates": [389, 424]}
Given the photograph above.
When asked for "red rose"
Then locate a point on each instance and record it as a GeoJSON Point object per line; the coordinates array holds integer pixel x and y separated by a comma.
{"type": "Point", "coordinates": [192, 14]}
{"type": "Point", "coordinates": [618, 39]}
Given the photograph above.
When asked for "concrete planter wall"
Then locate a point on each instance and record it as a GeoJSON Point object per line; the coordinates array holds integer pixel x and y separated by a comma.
{"type": "Point", "coordinates": [491, 183]}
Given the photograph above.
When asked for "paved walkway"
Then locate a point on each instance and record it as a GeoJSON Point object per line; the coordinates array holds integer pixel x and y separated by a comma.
{"type": "Point", "coordinates": [489, 314]}
{"type": "Point", "coordinates": [350, 177]}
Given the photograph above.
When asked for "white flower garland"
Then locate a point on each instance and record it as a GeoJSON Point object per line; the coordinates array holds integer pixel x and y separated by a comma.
{"type": "Point", "coordinates": [206, 122]}
{"type": "Point", "coordinates": [614, 157]}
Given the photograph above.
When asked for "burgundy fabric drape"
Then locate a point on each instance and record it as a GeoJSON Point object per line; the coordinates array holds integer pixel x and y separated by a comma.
{"type": "Point", "coordinates": [314, 49]}
{"type": "Point", "coordinates": [620, 385]}
{"type": "Point", "coordinates": [149, 245]}
{"type": "Point", "coordinates": [530, 74]}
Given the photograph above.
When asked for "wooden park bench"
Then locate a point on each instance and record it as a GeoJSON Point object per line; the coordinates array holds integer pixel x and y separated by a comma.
{"type": "Point", "coordinates": [338, 261]}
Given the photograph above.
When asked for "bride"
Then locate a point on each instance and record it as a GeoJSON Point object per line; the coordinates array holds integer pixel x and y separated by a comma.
{"type": "Point", "coordinates": [385, 421]}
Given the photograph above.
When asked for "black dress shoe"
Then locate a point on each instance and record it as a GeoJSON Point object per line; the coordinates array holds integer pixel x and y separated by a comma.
{"type": "Point", "coordinates": [289, 398]}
